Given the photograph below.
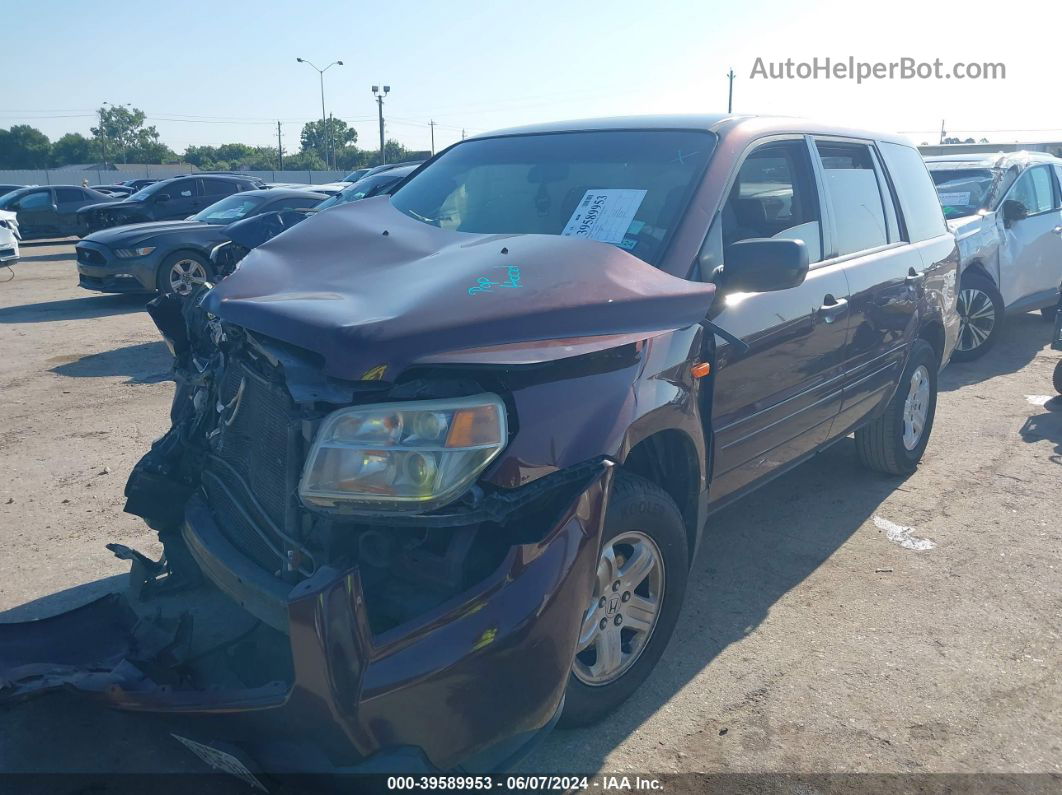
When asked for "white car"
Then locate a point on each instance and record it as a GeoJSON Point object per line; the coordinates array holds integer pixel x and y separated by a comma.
{"type": "Point", "coordinates": [1006, 213]}
{"type": "Point", "coordinates": [8, 237]}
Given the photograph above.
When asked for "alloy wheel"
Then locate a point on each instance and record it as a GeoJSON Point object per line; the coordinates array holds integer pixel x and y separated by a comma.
{"type": "Point", "coordinates": [977, 318]}
{"type": "Point", "coordinates": [916, 407]}
{"type": "Point", "coordinates": [623, 612]}
{"type": "Point", "coordinates": [186, 275]}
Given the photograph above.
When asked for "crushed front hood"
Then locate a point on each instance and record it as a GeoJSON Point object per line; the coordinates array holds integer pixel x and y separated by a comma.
{"type": "Point", "coordinates": [365, 286]}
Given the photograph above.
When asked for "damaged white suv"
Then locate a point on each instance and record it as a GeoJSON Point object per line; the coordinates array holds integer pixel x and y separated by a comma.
{"type": "Point", "coordinates": [1006, 212]}
{"type": "Point", "coordinates": [9, 237]}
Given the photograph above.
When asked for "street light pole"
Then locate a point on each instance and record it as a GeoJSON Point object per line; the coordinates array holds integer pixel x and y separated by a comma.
{"type": "Point", "coordinates": [325, 127]}
{"type": "Point", "coordinates": [379, 101]}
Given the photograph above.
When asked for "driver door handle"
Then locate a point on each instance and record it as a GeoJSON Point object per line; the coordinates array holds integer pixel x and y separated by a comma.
{"type": "Point", "coordinates": [832, 308]}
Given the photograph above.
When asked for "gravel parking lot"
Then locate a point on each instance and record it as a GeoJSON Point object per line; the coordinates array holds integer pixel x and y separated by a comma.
{"type": "Point", "coordinates": [838, 620]}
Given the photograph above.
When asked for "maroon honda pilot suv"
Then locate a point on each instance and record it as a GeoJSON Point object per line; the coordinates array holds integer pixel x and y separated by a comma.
{"type": "Point", "coordinates": [440, 461]}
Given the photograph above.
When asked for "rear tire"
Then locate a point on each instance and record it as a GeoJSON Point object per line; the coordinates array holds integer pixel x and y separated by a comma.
{"type": "Point", "coordinates": [1058, 378]}
{"type": "Point", "coordinates": [980, 310]}
{"type": "Point", "coordinates": [641, 519]}
{"type": "Point", "coordinates": [895, 441]}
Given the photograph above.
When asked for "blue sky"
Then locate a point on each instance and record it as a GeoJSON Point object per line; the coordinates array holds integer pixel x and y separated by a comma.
{"type": "Point", "coordinates": [211, 72]}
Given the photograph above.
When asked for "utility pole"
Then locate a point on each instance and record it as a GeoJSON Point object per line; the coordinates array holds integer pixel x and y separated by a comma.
{"type": "Point", "coordinates": [942, 133]}
{"type": "Point", "coordinates": [280, 149]}
{"type": "Point", "coordinates": [332, 136]}
{"type": "Point", "coordinates": [432, 125]}
{"type": "Point", "coordinates": [324, 122]}
{"type": "Point", "coordinates": [379, 101]}
{"type": "Point", "coordinates": [462, 133]}
{"type": "Point", "coordinates": [730, 95]}
{"type": "Point", "coordinates": [103, 136]}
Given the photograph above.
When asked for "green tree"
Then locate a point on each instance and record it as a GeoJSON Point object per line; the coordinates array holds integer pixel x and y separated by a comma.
{"type": "Point", "coordinates": [121, 134]}
{"type": "Point", "coordinates": [72, 148]}
{"type": "Point", "coordinates": [396, 153]}
{"type": "Point", "coordinates": [24, 147]}
{"type": "Point", "coordinates": [320, 136]}
{"type": "Point", "coordinates": [304, 161]}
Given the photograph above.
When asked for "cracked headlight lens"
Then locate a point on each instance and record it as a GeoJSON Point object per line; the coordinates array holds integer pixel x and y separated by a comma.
{"type": "Point", "coordinates": [402, 456]}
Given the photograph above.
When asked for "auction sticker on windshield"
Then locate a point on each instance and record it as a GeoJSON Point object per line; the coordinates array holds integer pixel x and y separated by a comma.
{"type": "Point", "coordinates": [604, 214]}
{"type": "Point", "coordinates": [960, 198]}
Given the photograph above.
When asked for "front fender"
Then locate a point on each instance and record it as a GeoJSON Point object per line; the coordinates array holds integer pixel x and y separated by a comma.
{"type": "Point", "coordinates": [602, 404]}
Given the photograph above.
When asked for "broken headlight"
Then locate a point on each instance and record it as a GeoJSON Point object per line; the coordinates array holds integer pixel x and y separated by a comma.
{"type": "Point", "coordinates": [402, 456]}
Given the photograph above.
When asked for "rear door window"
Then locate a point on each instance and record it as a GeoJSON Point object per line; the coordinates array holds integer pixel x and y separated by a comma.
{"type": "Point", "coordinates": [69, 195]}
{"type": "Point", "coordinates": [855, 196]}
{"type": "Point", "coordinates": [923, 217]}
{"type": "Point", "coordinates": [219, 187]}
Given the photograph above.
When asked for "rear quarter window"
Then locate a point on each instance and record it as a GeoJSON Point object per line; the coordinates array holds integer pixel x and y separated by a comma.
{"type": "Point", "coordinates": [922, 213]}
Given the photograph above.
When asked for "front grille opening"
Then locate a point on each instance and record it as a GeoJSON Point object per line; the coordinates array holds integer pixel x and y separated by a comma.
{"type": "Point", "coordinates": [88, 256]}
{"type": "Point", "coordinates": [251, 477]}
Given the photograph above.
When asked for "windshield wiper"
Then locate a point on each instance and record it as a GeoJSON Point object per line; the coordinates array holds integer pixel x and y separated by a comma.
{"type": "Point", "coordinates": [419, 217]}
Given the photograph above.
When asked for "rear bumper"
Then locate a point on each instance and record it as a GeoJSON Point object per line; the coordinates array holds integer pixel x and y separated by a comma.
{"type": "Point", "coordinates": [99, 269]}
{"type": "Point", "coordinates": [468, 685]}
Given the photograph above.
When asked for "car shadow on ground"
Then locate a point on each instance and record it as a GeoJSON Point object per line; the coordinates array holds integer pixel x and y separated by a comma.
{"type": "Point", "coordinates": [25, 258]}
{"type": "Point", "coordinates": [144, 363]}
{"type": "Point", "coordinates": [1046, 427]}
{"type": "Point", "coordinates": [85, 308]}
{"type": "Point", "coordinates": [1020, 339]}
{"type": "Point", "coordinates": [753, 553]}
{"type": "Point", "coordinates": [61, 601]}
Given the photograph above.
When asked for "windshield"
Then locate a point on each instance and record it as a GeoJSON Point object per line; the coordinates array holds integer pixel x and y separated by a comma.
{"type": "Point", "coordinates": [628, 188]}
{"type": "Point", "coordinates": [231, 208]}
{"type": "Point", "coordinates": [147, 190]}
{"type": "Point", "coordinates": [355, 175]}
{"type": "Point", "coordinates": [8, 198]}
{"type": "Point", "coordinates": [965, 191]}
{"type": "Point", "coordinates": [362, 189]}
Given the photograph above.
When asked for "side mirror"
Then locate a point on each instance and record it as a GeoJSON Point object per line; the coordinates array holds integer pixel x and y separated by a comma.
{"type": "Point", "coordinates": [162, 197]}
{"type": "Point", "coordinates": [1013, 210]}
{"type": "Point", "coordinates": [763, 264]}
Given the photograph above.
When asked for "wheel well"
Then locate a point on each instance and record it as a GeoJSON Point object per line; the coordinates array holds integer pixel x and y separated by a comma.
{"type": "Point", "coordinates": [933, 333]}
{"type": "Point", "coordinates": [187, 250]}
{"type": "Point", "coordinates": [669, 459]}
{"type": "Point", "coordinates": [977, 267]}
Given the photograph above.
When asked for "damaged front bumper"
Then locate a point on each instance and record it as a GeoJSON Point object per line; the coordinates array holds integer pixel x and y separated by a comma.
{"type": "Point", "coordinates": [466, 685]}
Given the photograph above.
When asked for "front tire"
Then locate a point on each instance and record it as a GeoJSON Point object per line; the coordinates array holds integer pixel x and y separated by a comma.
{"type": "Point", "coordinates": [1057, 378]}
{"type": "Point", "coordinates": [980, 308]}
{"type": "Point", "coordinates": [642, 571]}
{"type": "Point", "coordinates": [182, 272]}
{"type": "Point", "coordinates": [895, 441]}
